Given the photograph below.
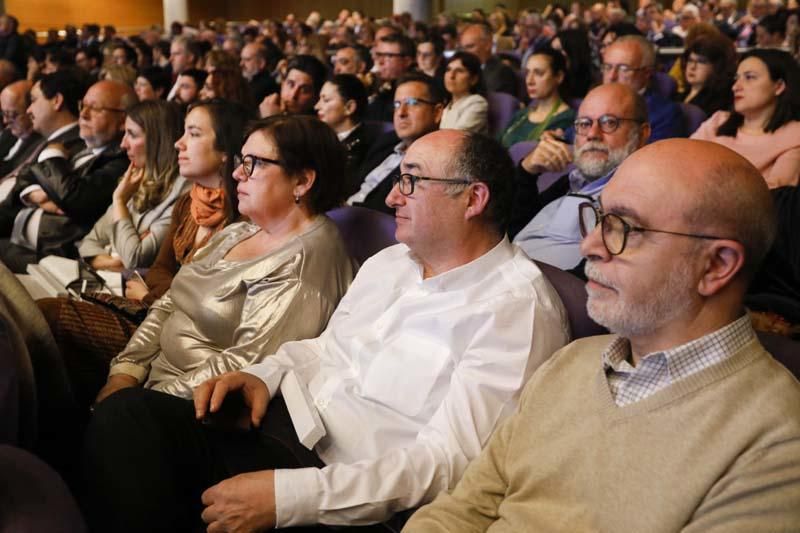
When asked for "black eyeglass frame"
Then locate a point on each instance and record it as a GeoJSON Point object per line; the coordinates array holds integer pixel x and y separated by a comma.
{"type": "Point", "coordinates": [248, 162]}
{"type": "Point", "coordinates": [412, 180]}
{"type": "Point", "coordinates": [408, 102]}
{"type": "Point", "coordinates": [627, 228]}
{"type": "Point", "coordinates": [602, 119]}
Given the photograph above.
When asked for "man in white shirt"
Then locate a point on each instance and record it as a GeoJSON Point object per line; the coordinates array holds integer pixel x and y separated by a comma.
{"type": "Point", "coordinates": [422, 359]}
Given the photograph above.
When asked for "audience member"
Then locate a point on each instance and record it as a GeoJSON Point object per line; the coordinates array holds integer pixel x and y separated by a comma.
{"type": "Point", "coordinates": [153, 83]}
{"type": "Point", "coordinates": [187, 87]}
{"type": "Point", "coordinates": [456, 291]}
{"type": "Point", "coordinates": [229, 84]}
{"type": "Point", "coordinates": [12, 46]}
{"type": "Point", "coordinates": [351, 60]}
{"type": "Point", "coordinates": [24, 142]}
{"type": "Point", "coordinates": [288, 259]}
{"type": "Point", "coordinates": [497, 76]}
{"type": "Point", "coordinates": [130, 232]}
{"type": "Point", "coordinates": [709, 67]}
{"type": "Point", "coordinates": [611, 125]}
{"type": "Point", "coordinates": [545, 74]}
{"type": "Point", "coordinates": [89, 59]}
{"type": "Point", "coordinates": [764, 125]}
{"type": "Point", "coordinates": [467, 108]}
{"type": "Point", "coordinates": [699, 409]}
{"type": "Point", "coordinates": [342, 105]}
{"type": "Point", "coordinates": [257, 69]}
{"type": "Point", "coordinates": [418, 105]}
{"type": "Point", "coordinates": [61, 197]}
{"type": "Point", "coordinates": [581, 74]}
{"type": "Point", "coordinates": [430, 57]}
{"type": "Point", "coordinates": [630, 60]}
{"type": "Point", "coordinates": [299, 90]}
{"type": "Point", "coordinates": [182, 55]}
{"type": "Point", "coordinates": [394, 56]}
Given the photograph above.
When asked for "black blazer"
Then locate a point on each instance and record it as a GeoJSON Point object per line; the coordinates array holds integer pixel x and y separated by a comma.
{"type": "Point", "coordinates": [33, 143]}
{"type": "Point", "coordinates": [376, 199]}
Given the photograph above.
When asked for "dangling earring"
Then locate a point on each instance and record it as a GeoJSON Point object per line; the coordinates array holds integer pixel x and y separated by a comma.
{"type": "Point", "coordinates": [296, 199]}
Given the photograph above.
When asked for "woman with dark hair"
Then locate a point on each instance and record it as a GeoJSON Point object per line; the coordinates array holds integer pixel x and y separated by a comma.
{"type": "Point", "coordinates": [545, 74]}
{"type": "Point", "coordinates": [228, 84]}
{"type": "Point", "coordinates": [257, 284]}
{"type": "Point", "coordinates": [468, 109]}
{"type": "Point", "coordinates": [152, 83]}
{"type": "Point", "coordinates": [90, 333]}
{"type": "Point", "coordinates": [764, 126]}
{"type": "Point", "coordinates": [709, 64]}
{"type": "Point", "coordinates": [342, 104]}
{"type": "Point", "coordinates": [574, 44]}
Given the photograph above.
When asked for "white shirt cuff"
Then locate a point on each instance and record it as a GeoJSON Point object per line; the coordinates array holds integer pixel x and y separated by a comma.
{"type": "Point", "coordinates": [297, 496]}
{"type": "Point", "coordinates": [26, 191]}
{"type": "Point", "coordinates": [49, 153]}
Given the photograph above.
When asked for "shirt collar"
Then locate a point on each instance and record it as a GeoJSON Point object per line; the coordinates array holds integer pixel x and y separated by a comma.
{"type": "Point", "coordinates": [580, 183]}
{"type": "Point", "coordinates": [343, 135]}
{"type": "Point", "coordinates": [465, 275]}
{"type": "Point", "coordinates": [61, 130]}
{"type": "Point", "coordinates": [688, 358]}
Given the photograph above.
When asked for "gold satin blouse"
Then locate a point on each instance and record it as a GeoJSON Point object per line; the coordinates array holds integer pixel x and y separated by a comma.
{"type": "Point", "coordinates": [221, 315]}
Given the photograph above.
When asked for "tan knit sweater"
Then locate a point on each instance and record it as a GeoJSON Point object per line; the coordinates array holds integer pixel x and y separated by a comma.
{"type": "Point", "coordinates": [716, 452]}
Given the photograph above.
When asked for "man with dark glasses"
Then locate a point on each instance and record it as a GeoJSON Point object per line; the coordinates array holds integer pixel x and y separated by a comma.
{"type": "Point", "coordinates": [611, 124]}
{"type": "Point", "coordinates": [681, 420]}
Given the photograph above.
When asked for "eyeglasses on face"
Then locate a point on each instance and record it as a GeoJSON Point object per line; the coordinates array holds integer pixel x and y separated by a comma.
{"type": "Point", "coordinates": [406, 182]}
{"type": "Point", "coordinates": [96, 108]}
{"type": "Point", "coordinates": [607, 123]}
{"type": "Point", "coordinates": [614, 229]}
{"type": "Point", "coordinates": [621, 68]}
{"type": "Point", "coordinates": [697, 60]}
{"type": "Point", "coordinates": [11, 116]}
{"type": "Point", "coordinates": [249, 162]}
{"type": "Point", "coordinates": [387, 55]}
{"type": "Point", "coordinates": [411, 102]}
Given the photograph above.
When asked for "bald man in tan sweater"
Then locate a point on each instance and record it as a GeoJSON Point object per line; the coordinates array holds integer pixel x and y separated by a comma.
{"type": "Point", "coordinates": [679, 422]}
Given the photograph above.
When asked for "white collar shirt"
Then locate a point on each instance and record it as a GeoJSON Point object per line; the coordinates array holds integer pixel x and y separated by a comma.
{"type": "Point", "coordinates": [411, 377]}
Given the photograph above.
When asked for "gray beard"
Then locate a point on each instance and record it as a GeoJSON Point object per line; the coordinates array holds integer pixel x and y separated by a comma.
{"type": "Point", "coordinates": [593, 169]}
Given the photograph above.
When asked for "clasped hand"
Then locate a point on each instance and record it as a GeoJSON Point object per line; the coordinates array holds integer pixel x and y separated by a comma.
{"type": "Point", "coordinates": [245, 502]}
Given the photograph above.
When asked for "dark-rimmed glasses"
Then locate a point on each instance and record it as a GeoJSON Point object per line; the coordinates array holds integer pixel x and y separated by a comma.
{"type": "Point", "coordinates": [622, 68]}
{"type": "Point", "coordinates": [615, 230]}
{"type": "Point", "coordinates": [607, 123]}
{"type": "Point", "coordinates": [97, 108]}
{"type": "Point", "coordinates": [249, 162]}
{"type": "Point", "coordinates": [411, 101]}
{"type": "Point", "coordinates": [405, 182]}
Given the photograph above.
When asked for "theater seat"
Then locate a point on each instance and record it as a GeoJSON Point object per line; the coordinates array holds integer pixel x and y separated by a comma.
{"type": "Point", "coordinates": [33, 498]}
{"type": "Point", "coordinates": [572, 291]}
{"type": "Point", "coordinates": [364, 231]}
{"type": "Point", "coordinates": [502, 107]}
{"type": "Point", "coordinates": [693, 116]}
{"type": "Point", "coordinates": [16, 380]}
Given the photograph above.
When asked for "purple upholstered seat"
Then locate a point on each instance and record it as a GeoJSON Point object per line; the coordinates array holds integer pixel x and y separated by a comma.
{"type": "Point", "coordinates": [502, 107]}
{"type": "Point", "coordinates": [572, 291]}
{"type": "Point", "coordinates": [364, 231]}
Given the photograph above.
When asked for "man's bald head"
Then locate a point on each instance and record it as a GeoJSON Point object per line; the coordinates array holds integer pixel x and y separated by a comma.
{"type": "Point", "coordinates": [14, 100]}
{"type": "Point", "coordinates": [103, 116]}
{"type": "Point", "coordinates": [716, 192]}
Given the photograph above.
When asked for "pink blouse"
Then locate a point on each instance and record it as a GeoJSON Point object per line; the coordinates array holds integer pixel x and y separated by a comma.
{"type": "Point", "coordinates": [776, 155]}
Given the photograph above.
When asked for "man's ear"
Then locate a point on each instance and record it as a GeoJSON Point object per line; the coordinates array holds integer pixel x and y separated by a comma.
{"type": "Point", "coordinates": [725, 259]}
{"type": "Point", "coordinates": [477, 200]}
{"type": "Point", "coordinates": [58, 102]}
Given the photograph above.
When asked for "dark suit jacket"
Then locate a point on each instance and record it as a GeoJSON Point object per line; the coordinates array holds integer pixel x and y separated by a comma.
{"type": "Point", "coordinates": [528, 201]}
{"type": "Point", "coordinates": [499, 77]}
{"type": "Point", "coordinates": [262, 85]}
{"type": "Point", "coordinates": [376, 199]}
{"type": "Point", "coordinates": [381, 106]}
{"type": "Point", "coordinates": [12, 205]}
{"type": "Point", "coordinates": [83, 193]}
{"type": "Point", "coordinates": [33, 143]}
{"type": "Point", "coordinates": [357, 145]}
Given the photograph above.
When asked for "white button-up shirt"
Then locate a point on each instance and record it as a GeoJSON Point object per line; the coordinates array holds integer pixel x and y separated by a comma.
{"type": "Point", "coordinates": [410, 378]}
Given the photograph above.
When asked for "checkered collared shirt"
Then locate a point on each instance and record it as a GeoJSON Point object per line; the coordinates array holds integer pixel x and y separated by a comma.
{"type": "Point", "coordinates": [658, 370]}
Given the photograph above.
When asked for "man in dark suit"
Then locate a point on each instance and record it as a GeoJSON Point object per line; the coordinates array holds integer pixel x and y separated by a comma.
{"type": "Point", "coordinates": [65, 193]}
{"type": "Point", "coordinates": [23, 140]}
{"type": "Point", "coordinates": [498, 77]}
{"type": "Point", "coordinates": [394, 56]}
{"type": "Point", "coordinates": [418, 105]}
{"type": "Point", "coordinates": [256, 66]}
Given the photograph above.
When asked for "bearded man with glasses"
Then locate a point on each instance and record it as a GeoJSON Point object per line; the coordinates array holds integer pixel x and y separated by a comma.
{"type": "Point", "coordinates": [680, 420]}
{"type": "Point", "coordinates": [611, 125]}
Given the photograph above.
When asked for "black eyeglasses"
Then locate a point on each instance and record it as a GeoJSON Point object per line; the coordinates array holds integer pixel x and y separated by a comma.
{"type": "Point", "coordinates": [405, 182]}
{"type": "Point", "coordinates": [607, 123]}
{"type": "Point", "coordinates": [411, 102]}
{"type": "Point", "coordinates": [249, 162]}
{"type": "Point", "coordinates": [615, 230]}
{"type": "Point", "coordinates": [622, 68]}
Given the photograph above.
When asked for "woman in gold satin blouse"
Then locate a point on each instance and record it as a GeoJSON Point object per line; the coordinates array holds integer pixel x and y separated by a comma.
{"type": "Point", "coordinates": [256, 284]}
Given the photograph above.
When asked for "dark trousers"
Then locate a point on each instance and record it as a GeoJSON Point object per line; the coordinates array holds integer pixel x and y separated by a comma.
{"type": "Point", "coordinates": [147, 461]}
{"type": "Point", "coordinates": [17, 258]}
